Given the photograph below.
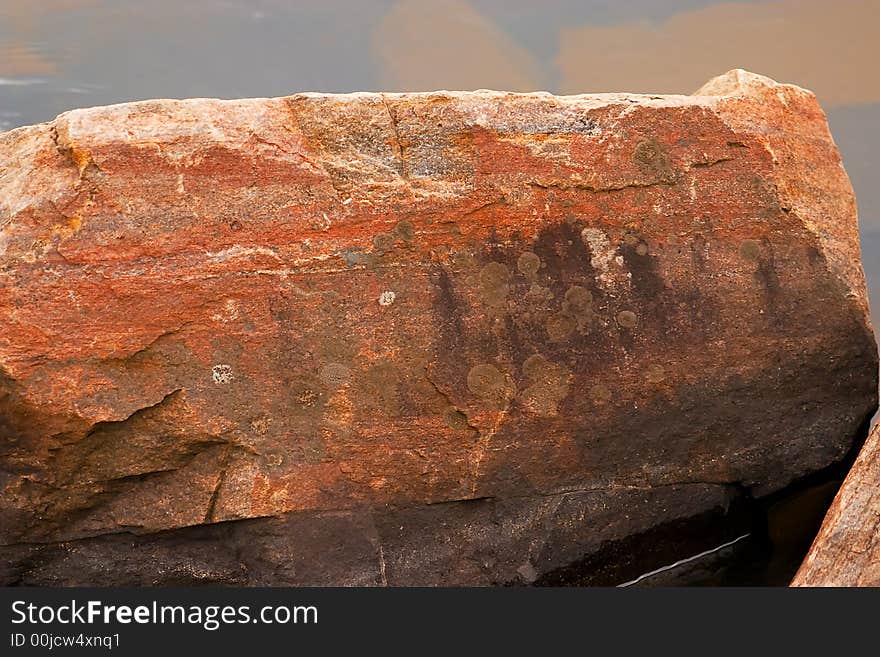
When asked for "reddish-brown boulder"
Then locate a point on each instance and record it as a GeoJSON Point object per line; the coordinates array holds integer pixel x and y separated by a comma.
{"type": "Point", "coordinates": [416, 338]}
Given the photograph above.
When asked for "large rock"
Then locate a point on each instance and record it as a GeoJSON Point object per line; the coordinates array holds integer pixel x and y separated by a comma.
{"type": "Point", "coordinates": [416, 338]}
{"type": "Point", "coordinates": [847, 550]}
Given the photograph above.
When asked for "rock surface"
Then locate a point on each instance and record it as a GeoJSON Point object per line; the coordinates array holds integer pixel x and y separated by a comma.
{"type": "Point", "coordinates": [434, 338]}
{"type": "Point", "coordinates": [847, 550]}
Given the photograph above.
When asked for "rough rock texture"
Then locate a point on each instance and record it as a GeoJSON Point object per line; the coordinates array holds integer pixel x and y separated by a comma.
{"type": "Point", "coordinates": [847, 550]}
{"type": "Point", "coordinates": [415, 338]}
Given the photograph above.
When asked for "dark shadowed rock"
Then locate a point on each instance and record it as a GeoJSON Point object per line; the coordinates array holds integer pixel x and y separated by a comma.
{"type": "Point", "coordinates": [447, 338]}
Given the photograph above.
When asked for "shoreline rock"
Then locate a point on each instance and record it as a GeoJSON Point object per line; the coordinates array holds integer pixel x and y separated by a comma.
{"type": "Point", "coordinates": [519, 323]}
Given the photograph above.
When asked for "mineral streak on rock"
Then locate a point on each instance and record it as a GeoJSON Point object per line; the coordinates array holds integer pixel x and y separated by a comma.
{"type": "Point", "coordinates": [518, 324]}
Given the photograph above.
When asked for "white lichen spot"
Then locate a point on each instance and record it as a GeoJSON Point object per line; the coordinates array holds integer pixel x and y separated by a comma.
{"type": "Point", "coordinates": [387, 298]}
{"type": "Point", "coordinates": [609, 266]}
{"type": "Point", "coordinates": [222, 374]}
{"type": "Point", "coordinates": [180, 187]}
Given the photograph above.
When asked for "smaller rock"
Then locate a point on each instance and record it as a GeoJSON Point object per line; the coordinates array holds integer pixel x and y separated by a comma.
{"type": "Point", "coordinates": [847, 550]}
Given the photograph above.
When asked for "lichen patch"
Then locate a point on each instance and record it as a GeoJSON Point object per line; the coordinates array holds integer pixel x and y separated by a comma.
{"type": "Point", "coordinates": [222, 374]}
{"type": "Point", "coordinates": [604, 258]}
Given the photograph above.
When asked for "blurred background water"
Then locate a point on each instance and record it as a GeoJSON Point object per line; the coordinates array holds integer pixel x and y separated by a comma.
{"type": "Point", "coordinates": [56, 55]}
